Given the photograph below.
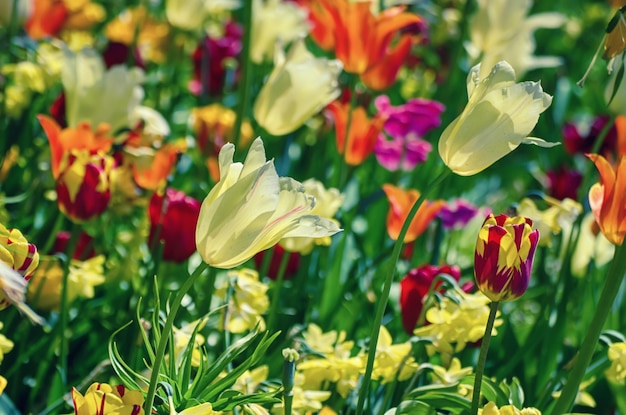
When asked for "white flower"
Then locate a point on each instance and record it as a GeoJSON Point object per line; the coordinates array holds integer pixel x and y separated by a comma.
{"type": "Point", "coordinates": [250, 209]}
{"type": "Point", "coordinates": [273, 20]}
{"type": "Point", "coordinates": [299, 87]}
{"type": "Point", "coordinates": [98, 95]}
{"type": "Point", "coordinates": [496, 120]}
{"type": "Point", "coordinates": [501, 30]}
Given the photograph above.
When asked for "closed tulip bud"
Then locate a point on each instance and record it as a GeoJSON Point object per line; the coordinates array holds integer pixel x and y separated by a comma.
{"type": "Point", "coordinates": [299, 86]}
{"type": "Point", "coordinates": [607, 198]}
{"type": "Point", "coordinates": [504, 255]}
{"type": "Point", "coordinates": [250, 209]}
{"type": "Point", "coordinates": [173, 219]}
{"type": "Point", "coordinates": [497, 119]}
{"type": "Point", "coordinates": [83, 185]}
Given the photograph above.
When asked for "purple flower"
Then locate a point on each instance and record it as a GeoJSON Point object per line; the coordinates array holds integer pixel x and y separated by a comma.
{"type": "Point", "coordinates": [413, 119]}
{"type": "Point", "coordinates": [406, 125]}
{"type": "Point", "coordinates": [457, 214]}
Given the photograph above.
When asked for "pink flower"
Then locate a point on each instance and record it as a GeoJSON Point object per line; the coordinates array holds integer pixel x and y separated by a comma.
{"type": "Point", "coordinates": [406, 125]}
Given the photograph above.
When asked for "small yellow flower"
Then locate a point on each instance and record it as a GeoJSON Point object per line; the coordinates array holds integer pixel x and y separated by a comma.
{"type": "Point", "coordinates": [496, 120]}
{"type": "Point", "coordinates": [44, 290]}
{"type": "Point", "coordinates": [617, 355]}
{"type": "Point", "coordinates": [392, 360]}
{"type": "Point", "coordinates": [251, 209]}
{"type": "Point", "coordinates": [152, 35]}
{"type": "Point", "coordinates": [6, 345]}
{"type": "Point", "coordinates": [248, 300]}
{"type": "Point", "coordinates": [327, 203]}
{"type": "Point", "coordinates": [182, 337]}
{"type": "Point", "coordinates": [304, 400]}
{"type": "Point", "coordinates": [454, 323]}
{"type": "Point", "coordinates": [550, 221]}
{"type": "Point", "coordinates": [299, 86]}
{"type": "Point", "coordinates": [492, 409]}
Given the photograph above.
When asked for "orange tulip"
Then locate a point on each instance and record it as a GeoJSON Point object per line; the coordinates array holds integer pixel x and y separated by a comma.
{"type": "Point", "coordinates": [362, 134]}
{"type": "Point", "coordinates": [362, 40]}
{"type": "Point", "coordinates": [607, 198]}
{"type": "Point", "coordinates": [80, 138]}
{"type": "Point", "coordinates": [401, 202]}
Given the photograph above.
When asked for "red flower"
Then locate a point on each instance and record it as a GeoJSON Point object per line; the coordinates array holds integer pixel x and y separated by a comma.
{"type": "Point", "coordinates": [84, 185]}
{"type": "Point", "coordinates": [173, 220]}
{"type": "Point", "coordinates": [414, 288]}
{"type": "Point", "coordinates": [278, 252]}
{"type": "Point", "coordinates": [504, 255]}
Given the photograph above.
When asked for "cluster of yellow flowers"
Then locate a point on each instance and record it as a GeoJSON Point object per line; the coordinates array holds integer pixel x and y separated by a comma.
{"type": "Point", "coordinates": [247, 301]}
{"type": "Point", "coordinates": [454, 323]}
{"type": "Point", "coordinates": [331, 361]}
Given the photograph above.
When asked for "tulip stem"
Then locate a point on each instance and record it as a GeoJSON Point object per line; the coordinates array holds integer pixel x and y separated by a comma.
{"type": "Point", "coordinates": [583, 358]}
{"type": "Point", "coordinates": [64, 306]}
{"type": "Point", "coordinates": [246, 67]}
{"type": "Point", "coordinates": [482, 357]}
{"type": "Point", "coordinates": [271, 320]}
{"type": "Point", "coordinates": [384, 297]}
{"type": "Point", "coordinates": [165, 335]}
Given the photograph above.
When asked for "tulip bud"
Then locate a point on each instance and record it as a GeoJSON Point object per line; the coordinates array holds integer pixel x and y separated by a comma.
{"type": "Point", "coordinates": [504, 256]}
{"type": "Point", "coordinates": [83, 185]}
{"type": "Point", "coordinates": [173, 221]}
{"type": "Point", "coordinates": [299, 86]}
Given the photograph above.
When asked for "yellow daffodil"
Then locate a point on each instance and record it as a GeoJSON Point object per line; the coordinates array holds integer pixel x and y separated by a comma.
{"type": "Point", "coordinates": [98, 95]}
{"type": "Point", "coordinates": [616, 373]}
{"type": "Point", "coordinates": [454, 323]}
{"type": "Point", "coordinates": [502, 30]}
{"type": "Point", "coordinates": [247, 302]}
{"type": "Point", "coordinates": [496, 120]}
{"type": "Point", "coordinates": [551, 220]}
{"type": "Point", "coordinates": [44, 290]}
{"type": "Point", "coordinates": [250, 209]}
{"type": "Point", "coordinates": [305, 401]}
{"type": "Point", "coordinates": [299, 86]}
{"type": "Point", "coordinates": [392, 360]}
{"type": "Point", "coordinates": [327, 203]}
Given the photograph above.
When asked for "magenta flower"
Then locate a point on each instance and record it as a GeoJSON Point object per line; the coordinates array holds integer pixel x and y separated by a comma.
{"type": "Point", "coordinates": [210, 57]}
{"type": "Point", "coordinates": [406, 125]}
{"type": "Point", "coordinates": [457, 214]}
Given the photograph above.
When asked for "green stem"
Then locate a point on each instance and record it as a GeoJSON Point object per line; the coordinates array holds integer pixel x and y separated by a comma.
{"type": "Point", "coordinates": [64, 307]}
{"type": "Point", "coordinates": [605, 303]}
{"type": "Point", "coordinates": [482, 357]}
{"type": "Point", "coordinates": [278, 284]}
{"type": "Point", "coordinates": [165, 335]}
{"type": "Point", "coordinates": [384, 297]}
{"type": "Point", "coordinates": [246, 67]}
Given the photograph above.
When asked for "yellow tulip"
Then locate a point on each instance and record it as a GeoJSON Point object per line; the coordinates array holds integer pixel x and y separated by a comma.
{"type": "Point", "coordinates": [497, 119]}
{"type": "Point", "coordinates": [299, 86]}
{"type": "Point", "coordinates": [250, 209]}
